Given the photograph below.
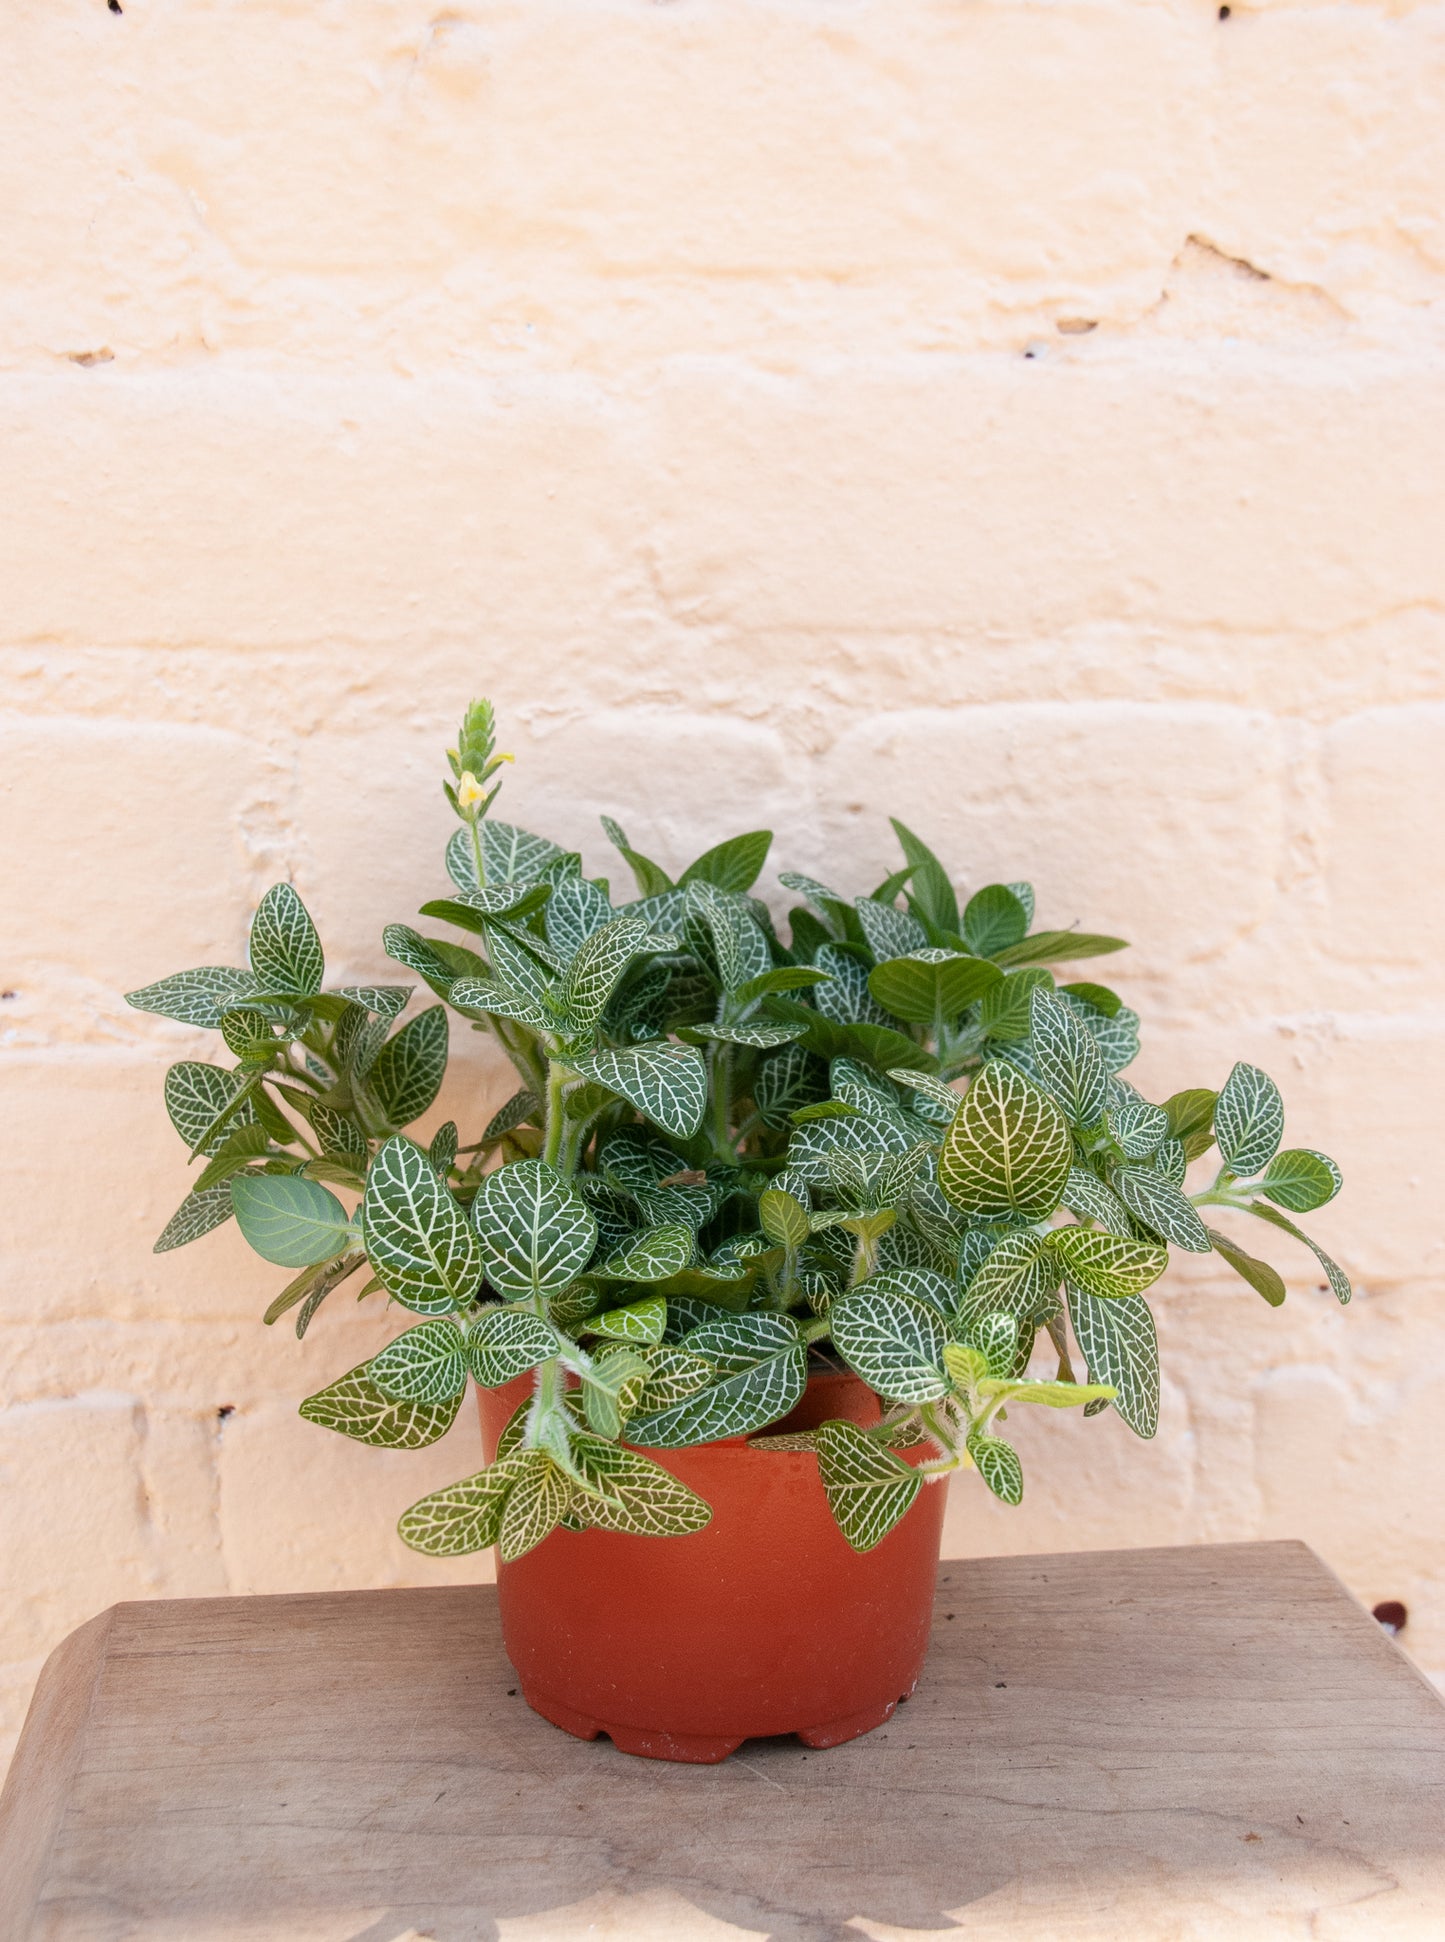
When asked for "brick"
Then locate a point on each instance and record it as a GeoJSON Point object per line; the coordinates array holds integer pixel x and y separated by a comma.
{"type": "Point", "coordinates": [1003, 496]}
{"type": "Point", "coordinates": [1386, 785]}
{"type": "Point", "coordinates": [1128, 820]}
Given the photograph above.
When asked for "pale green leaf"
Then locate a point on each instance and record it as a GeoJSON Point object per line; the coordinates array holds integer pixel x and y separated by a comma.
{"type": "Point", "coordinates": [535, 1506]}
{"type": "Point", "coordinates": [1264, 1279]}
{"type": "Point", "coordinates": [355, 1407]}
{"type": "Point", "coordinates": [1052, 1395]}
{"type": "Point", "coordinates": [653, 1256]}
{"type": "Point", "coordinates": [630, 1493]}
{"type": "Point", "coordinates": [1107, 1265]}
{"type": "Point", "coordinates": [1008, 1151]}
{"type": "Point", "coordinates": [869, 1489]}
{"type": "Point", "coordinates": [288, 1220]}
{"type": "Point", "coordinates": [640, 1321]}
{"type": "Point", "coordinates": [1059, 947]}
{"type": "Point", "coordinates": [998, 1464]}
{"type": "Point", "coordinates": [466, 1516]}
{"type": "Point", "coordinates": [782, 1218]}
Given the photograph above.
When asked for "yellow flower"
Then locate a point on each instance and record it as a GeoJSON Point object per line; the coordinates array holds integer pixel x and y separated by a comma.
{"type": "Point", "coordinates": [469, 790]}
{"type": "Point", "coordinates": [506, 758]}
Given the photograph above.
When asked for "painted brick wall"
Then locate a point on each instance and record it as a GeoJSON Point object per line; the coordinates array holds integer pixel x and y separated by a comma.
{"type": "Point", "coordinates": [1025, 417]}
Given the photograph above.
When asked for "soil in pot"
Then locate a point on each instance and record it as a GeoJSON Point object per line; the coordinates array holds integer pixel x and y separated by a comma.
{"type": "Point", "coordinates": [766, 1622]}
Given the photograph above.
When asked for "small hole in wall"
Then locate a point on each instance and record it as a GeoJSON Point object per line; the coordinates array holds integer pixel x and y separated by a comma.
{"type": "Point", "coordinates": [1224, 13]}
{"type": "Point", "coordinates": [6, 997]}
{"type": "Point", "coordinates": [226, 1409]}
{"type": "Point", "coordinates": [115, 6]}
{"type": "Point", "coordinates": [1392, 1615]}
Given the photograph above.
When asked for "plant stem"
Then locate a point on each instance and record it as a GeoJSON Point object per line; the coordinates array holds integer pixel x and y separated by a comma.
{"type": "Point", "coordinates": [556, 1079]}
{"type": "Point", "coordinates": [476, 828]}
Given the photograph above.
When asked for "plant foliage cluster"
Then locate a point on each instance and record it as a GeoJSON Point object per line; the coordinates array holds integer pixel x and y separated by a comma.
{"type": "Point", "coordinates": [894, 1141]}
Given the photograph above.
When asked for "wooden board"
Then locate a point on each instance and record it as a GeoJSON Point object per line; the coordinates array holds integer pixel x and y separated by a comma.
{"type": "Point", "coordinates": [1179, 1744]}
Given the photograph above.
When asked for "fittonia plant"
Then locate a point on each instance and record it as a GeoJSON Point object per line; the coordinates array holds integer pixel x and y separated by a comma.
{"type": "Point", "coordinates": [727, 1155]}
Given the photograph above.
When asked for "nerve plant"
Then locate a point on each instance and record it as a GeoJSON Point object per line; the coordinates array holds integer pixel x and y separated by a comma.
{"type": "Point", "coordinates": [894, 1142]}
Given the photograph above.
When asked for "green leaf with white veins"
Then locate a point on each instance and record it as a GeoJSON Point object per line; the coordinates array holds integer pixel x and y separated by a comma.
{"type": "Point", "coordinates": [891, 933]}
{"type": "Point", "coordinates": [505, 1343]}
{"type": "Point", "coordinates": [1121, 1349]}
{"type": "Point", "coordinates": [846, 999]}
{"type": "Point", "coordinates": [998, 1464]}
{"type": "Point", "coordinates": [417, 1238]}
{"type": "Point", "coordinates": [782, 1218]}
{"type": "Point", "coordinates": [600, 961]}
{"type": "Point", "coordinates": [1339, 1281]}
{"type": "Point", "coordinates": [1161, 1206]}
{"type": "Point", "coordinates": [511, 855]}
{"type": "Point", "coordinates": [1067, 1059]}
{"type": "Point", "coordinates": [725, 936]}
{"type": "Point", "coordinates": [576, 909]}
{"type": "Point", "coordinates": [1008, 1150]}
{"type": "Point", "coordinates": [198, 997]}
{"type": "Point", "coordinates": [630, 1493]}
{"type": "Point", "coordinates": [423, 1365]}
{"type": "Point", "coordinates": [466, 1516]}
{"type": "Point", "coordinates": [1136, 1127]}
{"type": "Point", "coordinates": [481, 994]}
{"type": "Point", "coordinates": [869, 1490]}
{"type": "Point", "coordinates": [892, 1341]}
{"type": "Point", "coordinates": [197, 1094]}
{"type": "Point", "coordinates": [655, 1255]}
{"type": "Point", "coordinates": [640, 1321]}
{"type": "Point", "coordinates": [1248, 1119]}
{"type": "Point", "coordinates": [1107, 1265]}
{"type": "Point", "coordinates": [407, 1073]}
{"type": "Point", "coordinates": [1087, 1196]}
{"type": "Point", "coordinates": [288, 1220]}
{"type": "Point", "coordinates": [197, 1214]}
{"type": "Point", "coordinates": [760, 1366]}
{"type": "Point", "coordinates": [760, 1037]}
{"type": "Point", "coordinates": [1016, 1278]}
{"type": "Point", "coordinates": [536, 1231]}
{"type": "Point", "coordinates": [930, 984]}
{"type": "Point", "coordinates": [668, 1083]}
{"type": "Point", "coordinates": [535, 1506]}
{"type": "Point", "coordinates": [355, 1407]}
{"type": "Point", "coordinates": [284, 949]}
{"type": "Point", "coordinates": [1301, 1180]}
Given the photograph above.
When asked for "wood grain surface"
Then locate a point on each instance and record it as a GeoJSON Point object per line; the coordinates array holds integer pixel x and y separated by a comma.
{"type": "Point", "coordinates": [1214, 1741]}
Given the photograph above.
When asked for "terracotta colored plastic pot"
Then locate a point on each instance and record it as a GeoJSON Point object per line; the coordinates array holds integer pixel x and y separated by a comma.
{"type": "Point", "coordinates": [765, 1622]}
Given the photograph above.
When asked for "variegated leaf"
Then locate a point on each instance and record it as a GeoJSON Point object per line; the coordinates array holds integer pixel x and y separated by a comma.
{"type": "Point", "coordinates": [894, 1342]}
{"type": "Point", "coordinates": [918, 1284]}
{"type": "Point", "coordinates": [1248, 1119]}
{"type": "Point", "coordinates": [760, 1372]}
{"type": "Point", "coordinates": [466, 1516]}
{"type": "Point", "coordinates": [652, 1256]}
{"type": "Point", "coordinates": [1118, 1343]}
{"type": "Point", "coordinates": [198, 997]}
{"type": "Point", "coordinates": [601, 960]}
{"type": "Point", "coordinates": [536, 1231]}
{"type": "Point", "coordinates": [1107, 1265]}
{"type": "Point", "coordinates": [630, 1493]}
{"type": "Point", "coordinates": [1008, 1151]}
{"type": "Point", "coordinates": [196, 1095]}
{"type": "Point", "coordinates": [535, 1505]}
{"type": "Point", "coordinates": [407, 1072]}
{"type": "Point", "coordinates": [1017, 1277]}
{"type": "Point", "coordinates": [511, 855]}
{"type": "Point", "coordinates": [1162, 1208]}
{"type": "Point", "coordinates": [355, 1407]}
{"type": "Point", "coordinates": [783, 1218]}
{"type": "Point", "coordinates": [575, 909]}
{"type": "Point", "coordinates": [998, 1464]}
{"type": "Point", "coordinates": [1136, 1127]}
{"type": "Point", "coordinates": [1087, 1196]}
{"type": "Point", "coordinates": [1170, 1159]}
{"type": "Point", "coordinates": [424, 1364]}
{"type": "Point", "coordinates": [1067, 1059]}
{"type": "Point", "coordinates": [504, 1343]}
{"type": "Point", "coordinates": [1116, 1034]}
{"type": "Point", "coordinates": [891, 933]}
{"type": "Point", "coordinates": [787, 1081]}
{"type": "Point", "coordinates": [640, 1321]}
{"type": "Point", "coordinates": [417, 1238]}
{"type": "Point", "coordinates": [869, 1489]}
{"type": "Point", "coordinates": [388, 1001]}
{"type": "Point", "coordinates": [284, 949]}
{"type": "Point", "coordinates": [667, 1083]}
{"type": "Point", "coordinates": [673, 1375]}
{"type": "Point", "coordinates": [846, 998]}
{"type": "Point", "coordinates": [197, 1214]}
{"type": "Point", "coordinates": [761, 1037]}
{"type": "Point", "coordinates": [485, 995]}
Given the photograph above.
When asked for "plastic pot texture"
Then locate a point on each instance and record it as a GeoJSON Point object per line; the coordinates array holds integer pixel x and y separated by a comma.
{"type": "Point", "coordinates": [765, 1622]}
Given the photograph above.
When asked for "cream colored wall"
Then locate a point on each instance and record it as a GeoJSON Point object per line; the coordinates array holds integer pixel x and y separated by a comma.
{"type": "Point", "coordinates": [1025, 418]}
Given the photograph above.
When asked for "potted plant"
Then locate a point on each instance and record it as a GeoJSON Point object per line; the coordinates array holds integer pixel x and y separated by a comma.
{"type": "Point", "coordinates": [767, 1243]}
